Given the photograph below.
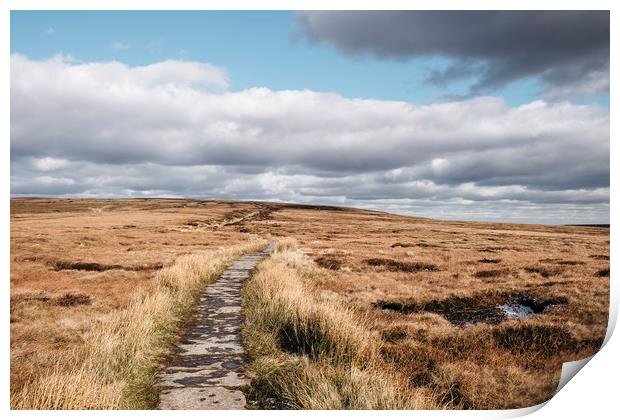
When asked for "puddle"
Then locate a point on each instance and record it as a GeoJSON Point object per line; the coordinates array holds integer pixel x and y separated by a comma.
{"type": "Point", "coordinates": [270, 403]}
{"type": "Point", "coordinates": [516, 310]}
{"type": "Point", "coordinates": [469, 311]}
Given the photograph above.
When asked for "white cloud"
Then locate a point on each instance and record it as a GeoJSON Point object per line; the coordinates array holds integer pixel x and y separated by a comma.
{"type": "Point", "coordinates": [50, 31]}
{"type": "Point", "coordinates": [50, 164]}
{"type": "Point", "coordinates": [172, 128]}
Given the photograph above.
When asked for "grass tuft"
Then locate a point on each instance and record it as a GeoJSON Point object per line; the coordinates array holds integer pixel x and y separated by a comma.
{"type": "Point", "coordinates": [603, 273]}
{"type": "Point", "coordinates": [393, 265]}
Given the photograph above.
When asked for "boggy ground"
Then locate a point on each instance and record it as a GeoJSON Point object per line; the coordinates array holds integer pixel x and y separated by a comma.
{"type": "Point", "coordinates": [431, 290]}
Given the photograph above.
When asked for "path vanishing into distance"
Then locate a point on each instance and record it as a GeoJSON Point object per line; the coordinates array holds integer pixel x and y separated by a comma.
{"type": "Point", "coordinates": [206, 368]}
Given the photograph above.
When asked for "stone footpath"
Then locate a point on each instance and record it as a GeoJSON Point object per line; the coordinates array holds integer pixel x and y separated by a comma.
{"type": "Point", "coordinates": [206, 369]}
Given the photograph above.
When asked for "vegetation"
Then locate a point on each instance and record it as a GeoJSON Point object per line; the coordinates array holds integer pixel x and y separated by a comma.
{"type": "Point", "coordinates": [311, 349]}
{"type": "Point", "coordinates": [309, 352]}
{"type": "Point", "coordinates": [369, 310]}
{"type": "Point", "coordinates": [117, 363]}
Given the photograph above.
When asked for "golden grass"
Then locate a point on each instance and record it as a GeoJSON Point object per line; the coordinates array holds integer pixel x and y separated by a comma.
{"type": "Point", "coordinates": [116, 365]}
{"type": "Point", "coordinates": [312, 352]}
{"type": "Point", "coordinates": [312, 348]}
{"type": "Point", "coordinates": [356, 260]}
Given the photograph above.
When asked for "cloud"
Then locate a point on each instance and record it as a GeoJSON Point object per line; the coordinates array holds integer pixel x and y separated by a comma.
{"type": "Point", "coordinates": [563, 48]}
{"type": "Point", "coordinates": [50, 31]}
{"type": "Point", "coordinates": [172, 129]}
{"type": "Point", "coordinates": [121, 45]}
{"type": "Point", "coordinates": [49, 164]}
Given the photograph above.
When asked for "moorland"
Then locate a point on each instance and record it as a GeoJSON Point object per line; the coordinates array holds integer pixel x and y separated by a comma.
{"type": "Point", "coordinates": [355, 309]}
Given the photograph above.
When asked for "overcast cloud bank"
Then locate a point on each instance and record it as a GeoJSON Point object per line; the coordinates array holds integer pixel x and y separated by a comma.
{"type": "Point", "coordinates": [173, 129]}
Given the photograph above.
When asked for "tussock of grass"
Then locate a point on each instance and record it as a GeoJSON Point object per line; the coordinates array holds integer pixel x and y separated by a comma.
{"type": "Point", "coordinates": [116, 366]}
{"type": "Point", "coordinates": [543, 271]}
{"type": "Point", "coordinates": [483, 274]}
{"type": "Point", "coordinates": [466, 385]}
{"type": "Point", "coordinates": [72, 299]}
{"type": "Point", "coordinates": [328, 262]}
{"type": "Point", "coordinates": [603, 273]}
{"type": "Point", "coordinates": [393, 265]}
{"type": "Point", "coordinates": [286, 244]}
{"type": "Point", "coordinates": [490, 261]}
{"type": "Point", "coordinates": [309, 352]}
{"type": "Point", "coordinates": [530, 340]}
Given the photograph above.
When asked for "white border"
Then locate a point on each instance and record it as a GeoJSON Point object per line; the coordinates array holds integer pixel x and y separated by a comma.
{"type": "Point", "coordinates": [592, 393]}
{"type": "Point", "coordinates": [309, 5]}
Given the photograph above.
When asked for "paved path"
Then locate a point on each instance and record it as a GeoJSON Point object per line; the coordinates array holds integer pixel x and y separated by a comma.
{"type": "Point", "coordinates": [206, 370]}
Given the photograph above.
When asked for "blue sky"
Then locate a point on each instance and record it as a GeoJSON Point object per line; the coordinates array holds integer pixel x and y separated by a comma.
{"type": "Point", "coordinates": [265, 105]}
{"type": "Point", "coordinates": [256, 48]}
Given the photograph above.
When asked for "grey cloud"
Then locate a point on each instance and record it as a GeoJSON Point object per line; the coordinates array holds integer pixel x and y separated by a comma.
{"type": "Point", "coordinates": [100, 130]}
{"type": "Point", "coordinates": [420, 197]}
{"type": "Point", "coordinates": [567, 50]}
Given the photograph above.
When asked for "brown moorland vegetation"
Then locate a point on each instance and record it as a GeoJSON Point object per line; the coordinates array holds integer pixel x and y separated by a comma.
{"type": "Point", "coordinates": [428, 297]}
{"type": "Point", "coordinates": [91, 331]}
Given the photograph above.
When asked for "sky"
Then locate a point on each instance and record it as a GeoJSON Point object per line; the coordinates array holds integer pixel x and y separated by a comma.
{"type": "Point", "coordinates": [499, 116]}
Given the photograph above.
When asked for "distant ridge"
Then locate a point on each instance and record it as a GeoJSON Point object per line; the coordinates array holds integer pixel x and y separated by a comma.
{"type": "Point", "coordinates": [605, 226]}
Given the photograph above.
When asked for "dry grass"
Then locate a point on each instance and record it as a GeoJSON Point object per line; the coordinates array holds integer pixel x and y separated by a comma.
{"type": "Point", "coordinates": [449, 344]}
{"type": "Point", "coordinates": [311, 352]}
{"type": "Point", "coordinates": [64, 255]}
{"type": "Point", "coordinates": [313, 348]}
{"type": "Point", "coordinates": [494, 363]}
{"type": "Point", "coordinates": [116, 365]}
